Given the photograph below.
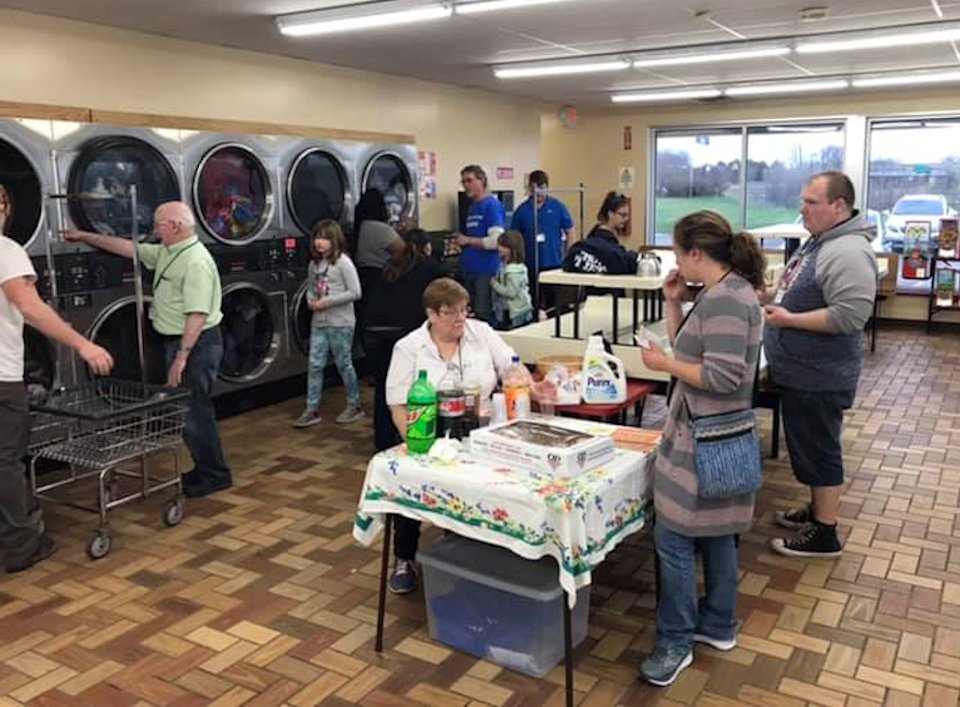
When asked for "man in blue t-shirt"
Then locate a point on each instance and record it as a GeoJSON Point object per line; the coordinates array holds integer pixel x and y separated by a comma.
{"type": "Point", "coordinates": [486, 220]}
{"type": "Point", "coordinates": [555, 231]}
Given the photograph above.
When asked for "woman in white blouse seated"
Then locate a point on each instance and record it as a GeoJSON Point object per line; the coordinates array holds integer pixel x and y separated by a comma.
{"type": "Point", "coordinates": [448, 343]}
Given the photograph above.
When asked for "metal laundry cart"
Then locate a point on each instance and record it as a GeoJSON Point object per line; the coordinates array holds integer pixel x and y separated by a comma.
{"type": "Point", "coordinates": [100, 430]}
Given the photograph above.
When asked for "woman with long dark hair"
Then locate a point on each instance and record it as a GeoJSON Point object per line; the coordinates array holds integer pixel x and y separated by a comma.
{"type": "Point", "coordinates": [714, 364]}
{"type": "Point", "coordinates": [601, 251]}
{"type": "Point", "coordinates": [375, 242]}
{"type": "Point", "coordinates": [396, 309]}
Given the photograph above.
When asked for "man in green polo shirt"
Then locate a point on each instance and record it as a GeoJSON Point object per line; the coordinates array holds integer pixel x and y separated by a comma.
{"type": "Point", "coordinates": [186, 312]}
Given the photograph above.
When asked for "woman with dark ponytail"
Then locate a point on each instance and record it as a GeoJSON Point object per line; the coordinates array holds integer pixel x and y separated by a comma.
{"type": "Point", "coordinates": [715, 352]}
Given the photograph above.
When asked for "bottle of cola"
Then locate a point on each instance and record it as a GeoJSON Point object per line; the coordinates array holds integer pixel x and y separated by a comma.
{"type": "Point", "coordinates": [451, 405]}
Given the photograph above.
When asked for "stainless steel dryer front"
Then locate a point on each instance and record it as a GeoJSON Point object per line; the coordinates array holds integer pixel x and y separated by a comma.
{"type": "Point", "coordinates": [392, 170]}
{"type": "Point", "coordinates": [320, 182]}
{"type": "Point", "coordinates": [234, 185]}
{"type": "Point", "coordinates": [27, 174]}
{"type": "Point", "coordinates": [96, 166]}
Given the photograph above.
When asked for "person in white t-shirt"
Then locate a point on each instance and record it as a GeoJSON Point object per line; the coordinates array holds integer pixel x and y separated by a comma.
{"type": "Point", "coordinates": [21, 532]}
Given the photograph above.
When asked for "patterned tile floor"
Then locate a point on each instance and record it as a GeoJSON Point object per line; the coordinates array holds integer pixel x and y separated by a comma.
{"type": "Point", "coordinates": [261, 596]}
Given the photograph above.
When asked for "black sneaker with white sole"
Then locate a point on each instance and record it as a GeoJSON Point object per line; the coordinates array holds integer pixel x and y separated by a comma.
{"type": "Point", "coordinates": [795, 518]}
{"type": "Point", "coordinates": [812, 540]}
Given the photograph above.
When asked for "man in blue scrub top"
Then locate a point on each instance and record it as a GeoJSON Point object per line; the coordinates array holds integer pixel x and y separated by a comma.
{"type": "Point", "coordinates": [486, 220]}
{"type": "Point", "coordinates": [555, 231]}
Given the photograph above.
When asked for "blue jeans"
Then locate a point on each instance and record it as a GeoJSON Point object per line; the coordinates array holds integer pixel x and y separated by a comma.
{"type": "Point", "coordinates": [481, 295]}
{"type": "Point", "coordinates": [338, 341]}
{"type": "Point", "coordinates": [679, 613]}
{"type": "Point", "coordinates": [200, 431]}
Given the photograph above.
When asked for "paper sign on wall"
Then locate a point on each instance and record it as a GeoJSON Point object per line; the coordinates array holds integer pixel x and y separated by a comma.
{"type": "Point", "coordinates": [428, 188]}
{"type": "Point", "coordinates": [504, 174]}
{"type": "Point", "coordinates": [627, 137]}
{"type": "Point", "coordinates": [626, 178]}
{"type": "Point", "coordinates": [427, 163]}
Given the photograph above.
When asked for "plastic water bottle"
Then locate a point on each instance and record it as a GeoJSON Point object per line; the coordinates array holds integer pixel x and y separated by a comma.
{"type": "Point", "coordinates": [421, 415]}
{"type": "Point", "coordinates": [516, 390]}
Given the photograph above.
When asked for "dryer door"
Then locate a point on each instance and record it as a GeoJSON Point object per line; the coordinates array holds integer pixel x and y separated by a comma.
{"type": "Point", "coordinates": [24, 195]}
{"type": "Point", "coordinates": [232, 194]}
{"type": "Point", "coordinates": [251, 334]}
{"type": "Point", "coordinates": [103, 173]}
{"type": "Point", "coordinates": [316, 189]}
{"type": "Point", "coordinates": [301, 320]}
{"type": "Point", "coordinates": [387, 173]}
{"type": "Point", "coordinates": [115, 330]}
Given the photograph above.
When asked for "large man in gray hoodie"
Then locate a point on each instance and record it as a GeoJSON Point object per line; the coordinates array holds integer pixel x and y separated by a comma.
{"type": "Point", "coordinates": [812, 339]}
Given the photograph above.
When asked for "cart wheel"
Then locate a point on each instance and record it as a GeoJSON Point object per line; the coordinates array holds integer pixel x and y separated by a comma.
{"type": "Point", "coordinates": [173, 513]}
{"type": "Point", "coordinates": [99, 545]}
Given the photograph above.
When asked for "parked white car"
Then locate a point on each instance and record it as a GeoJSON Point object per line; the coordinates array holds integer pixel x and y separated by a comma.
{"type": "Point", "coordinates": [915, 207]}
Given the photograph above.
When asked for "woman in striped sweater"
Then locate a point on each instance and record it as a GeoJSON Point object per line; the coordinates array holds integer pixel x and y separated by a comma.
{"type": "Point", "coordinates": [713, 367]}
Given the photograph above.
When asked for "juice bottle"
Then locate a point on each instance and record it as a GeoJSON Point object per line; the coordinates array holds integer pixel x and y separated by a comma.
{"type": "Point", "coordinates": [516, 389]}
{"type": "Point", "coordinates": [421, 415]}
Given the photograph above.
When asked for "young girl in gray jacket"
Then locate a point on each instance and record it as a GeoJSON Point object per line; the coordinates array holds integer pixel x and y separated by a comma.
{"type": "Point", "coordinates": [512, 304]}
{"type": "Point", "coordinates": [332, 287]}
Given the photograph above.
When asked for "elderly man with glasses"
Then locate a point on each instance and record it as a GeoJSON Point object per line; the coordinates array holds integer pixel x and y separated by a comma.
{"type": "Point", "coordinates": [186, 313]}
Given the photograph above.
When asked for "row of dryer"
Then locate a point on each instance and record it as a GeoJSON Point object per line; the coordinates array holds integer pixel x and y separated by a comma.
{"type": "Point", "coordinates": [256, 198]}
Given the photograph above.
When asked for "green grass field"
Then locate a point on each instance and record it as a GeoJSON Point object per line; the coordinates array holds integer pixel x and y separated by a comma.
{"type": "Point", "coordinates": [671, 209]}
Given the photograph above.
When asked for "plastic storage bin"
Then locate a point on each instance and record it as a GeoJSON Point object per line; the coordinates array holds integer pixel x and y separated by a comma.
{"type": "Point", "coordinates": [491, 603]}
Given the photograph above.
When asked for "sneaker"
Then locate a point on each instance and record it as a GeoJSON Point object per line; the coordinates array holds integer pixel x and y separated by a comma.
{"type": "Point", "coordinates": [793, 519]}
{"type": "Point", "coordinates": [812, 540]}
{"type": "Point", "coordinates": [721, 644]}
{"type": "Point", "coordinates": [45, 548]}
{"type": "Point", "coordinates": [404, 579]}
{"type": "Point", "coordinates": [308, 417]}
{"type": "Point", "coordinates": [663, 666]}
{"type": "Point", "coordinates": [351, 413]}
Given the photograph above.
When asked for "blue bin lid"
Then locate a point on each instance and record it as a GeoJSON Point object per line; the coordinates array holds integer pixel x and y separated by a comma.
{"type": "Point", "coordinates": [494, 567]}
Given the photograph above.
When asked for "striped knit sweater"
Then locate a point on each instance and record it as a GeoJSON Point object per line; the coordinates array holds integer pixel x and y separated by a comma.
{"type": "Point", "coordinates": [723, 334]}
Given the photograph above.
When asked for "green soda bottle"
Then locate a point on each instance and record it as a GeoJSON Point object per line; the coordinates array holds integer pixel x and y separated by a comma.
{"type": "Point", "coordinates": [421, 415]}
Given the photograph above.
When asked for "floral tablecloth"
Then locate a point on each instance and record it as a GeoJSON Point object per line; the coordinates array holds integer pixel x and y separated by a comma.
{"type": "Point", "coordinates": [576, 521]}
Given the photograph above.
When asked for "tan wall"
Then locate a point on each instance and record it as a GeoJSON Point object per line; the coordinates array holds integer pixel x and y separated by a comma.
{"type": "Point", "coordinates": [60, 62]}
{"type": "Point", "coordinates": [592, 152]}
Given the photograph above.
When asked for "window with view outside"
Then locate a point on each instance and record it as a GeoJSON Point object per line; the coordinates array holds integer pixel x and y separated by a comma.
{"type": "Point", "coordinates": [780, 159]}
{"type": "Point", "coordinates": [701, 169]}
{"type": "Point", "coordinates": [695, 170]}
{"type": "Point", "coordinates": [913, 175]}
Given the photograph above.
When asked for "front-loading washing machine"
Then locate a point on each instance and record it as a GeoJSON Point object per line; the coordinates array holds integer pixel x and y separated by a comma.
{"type": "Point", "coordinates": [391, 169]}
{"type": "Point", "coordinates": [319, 182]}
{"type": "Point", "coordinates": [234, 185]}
{"type": "Point", "coordinates": [254, 327]}
{"type": "Point", "coordinates": [27, 174]}
{"type": "Point", "coordinates": [96, 166]}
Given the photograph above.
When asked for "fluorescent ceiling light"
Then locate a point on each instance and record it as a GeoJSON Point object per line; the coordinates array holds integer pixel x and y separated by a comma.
{"type": "Point", "coordinates": [709, 57]}
{"type": "Point", "coordinates": [471, 8]}
{"type": "Point", "coordinates": [879, 41]}
{"type": "Point", "coordinates": [349, 19]}
{"type": "Point", "coordinates": [767, 89]}
{"type": "Point", "coordinates": [653, 96]}
{"type": "Point", "coordinates": [908, 79]}
{"type": "Point", "coordinates": [559, 69]}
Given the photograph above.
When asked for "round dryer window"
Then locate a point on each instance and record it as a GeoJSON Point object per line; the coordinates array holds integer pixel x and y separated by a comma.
{"type": "Point", "coordinates": [389, 175]}
{"type": "Point", "coordinates": [250, 334]}
{"type": "Point", "coordinates": [115, 330]}
{"type": "Point", "coordinates": [22, 195]}
{"type": "Point", "coordinates": [232, 194]}
{"type": "Point", "coordinates": [102, 175]}
{"type": "Point", "coordinates": [316, 189]}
